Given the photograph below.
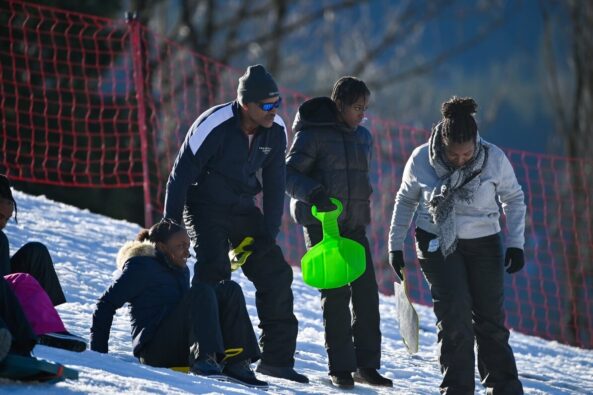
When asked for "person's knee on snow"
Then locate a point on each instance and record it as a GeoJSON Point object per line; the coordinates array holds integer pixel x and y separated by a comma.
{"type": "Point", "coordinates": [36, 252]}
{"type": "Point", "coordinates": [34, 258]}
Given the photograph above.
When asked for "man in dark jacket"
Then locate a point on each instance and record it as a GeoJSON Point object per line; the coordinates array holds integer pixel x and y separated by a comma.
{"type": "Point", "coordinates": [330, 157]}
{"type": "Point", "coordinates": [231, 153]}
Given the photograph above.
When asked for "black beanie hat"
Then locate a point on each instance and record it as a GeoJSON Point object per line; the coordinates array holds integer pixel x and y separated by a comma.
{"type": "Point", "coordinates": [256, 85]}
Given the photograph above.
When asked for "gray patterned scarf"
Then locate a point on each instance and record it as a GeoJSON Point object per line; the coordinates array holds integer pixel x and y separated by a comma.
{"type": "Point", "coordinates": [456, 184]}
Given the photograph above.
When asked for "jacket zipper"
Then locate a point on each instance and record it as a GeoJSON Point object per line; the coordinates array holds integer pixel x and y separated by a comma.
{"type": "Point", "coordinates": [250, 146]}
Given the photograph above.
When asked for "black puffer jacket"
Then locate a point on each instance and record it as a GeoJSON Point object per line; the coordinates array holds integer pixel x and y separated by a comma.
{"type": "Point", "coordinates": [327, 154]}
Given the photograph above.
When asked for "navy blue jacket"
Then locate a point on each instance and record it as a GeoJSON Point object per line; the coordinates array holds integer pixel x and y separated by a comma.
{"type": "Point", "coordinates": [216, 168]}
{"type": "Point", "coordinates": [152, 287]}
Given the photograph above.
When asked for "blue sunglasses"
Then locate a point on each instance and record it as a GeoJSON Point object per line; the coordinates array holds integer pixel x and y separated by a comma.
{"type": "Point", "coordinates": [269, 106]}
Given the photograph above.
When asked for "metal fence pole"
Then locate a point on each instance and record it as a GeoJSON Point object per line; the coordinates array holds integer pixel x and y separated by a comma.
{"type": "Point", "coordinates": [137, 58]}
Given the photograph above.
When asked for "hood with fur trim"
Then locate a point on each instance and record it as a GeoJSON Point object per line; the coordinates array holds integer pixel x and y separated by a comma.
{"type": "Point", "coordinates": [134, 248]}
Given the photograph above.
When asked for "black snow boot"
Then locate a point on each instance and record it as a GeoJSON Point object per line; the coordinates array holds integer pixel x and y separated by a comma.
{"type": "Point", "coordinates": [207, 366]}
{"type": "Point", "coordinates": [372, 377]}
{"type": "Point", "coordinates": [282, 372]}
{"type": "Point", "coordinates": [342, 379]}
{"type": "Point", "coordinates": [240, 372]}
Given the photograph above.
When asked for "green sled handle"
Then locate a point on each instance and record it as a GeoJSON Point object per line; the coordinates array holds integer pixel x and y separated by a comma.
{"type": "Point", "coordinates": [238, 256]}
{"type": "Point", "coordinates": [335, 261]}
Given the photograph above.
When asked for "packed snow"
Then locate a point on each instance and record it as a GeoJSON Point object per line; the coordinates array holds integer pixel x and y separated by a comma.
{"type": "Point", "coordinates": [84, 246]}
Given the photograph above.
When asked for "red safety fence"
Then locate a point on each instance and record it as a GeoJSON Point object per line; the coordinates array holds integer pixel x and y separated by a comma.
{"type": "Point", "coordinates": [94, 102]}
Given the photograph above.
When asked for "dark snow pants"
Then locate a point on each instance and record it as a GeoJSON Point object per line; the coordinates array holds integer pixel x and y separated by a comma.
{"type": "Point", "coordinates": [213, 232]}
{"type": "Point", "coordinates": [34, 258]}
{"type": "Point", "coordinates": [352, 341]}
{"type": "Point", "coordinates": [13, 318]}
{"type": "Point", "coordinates": [208, 320]}
{"type": "Point", "coordinates": [467, 292]}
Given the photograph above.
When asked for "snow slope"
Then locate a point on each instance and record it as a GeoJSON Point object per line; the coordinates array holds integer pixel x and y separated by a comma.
{"type": "Point", "coordinates": [84, 246]}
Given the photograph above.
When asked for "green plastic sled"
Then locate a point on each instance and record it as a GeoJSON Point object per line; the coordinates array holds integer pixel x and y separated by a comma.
{"type": "Point", "coordinates": [22, 368]}
{"type": "Point", "coordinates": [335, 261]}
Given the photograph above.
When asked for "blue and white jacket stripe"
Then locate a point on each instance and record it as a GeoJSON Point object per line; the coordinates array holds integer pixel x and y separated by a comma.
{"type": "Point", "coordinates": [216, 167]}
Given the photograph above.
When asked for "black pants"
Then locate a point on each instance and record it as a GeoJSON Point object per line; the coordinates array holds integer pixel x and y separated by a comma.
{"type": "Point", "coordinates": [212, 232]}
{"type": "Point", "coordinates": [33, 258]}
{"type": "Point", "coordinates": [467, 292]}
{"type": "Point", "coordinates": [13, 318]}
{"type": "Point", "coordinates": [209, 320]}
{"type": "Point", "coordinates": [352, 341]}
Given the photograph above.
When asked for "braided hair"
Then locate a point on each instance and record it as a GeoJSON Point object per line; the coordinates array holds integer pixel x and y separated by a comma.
{"type": "Point", "coordinates": [6, 193]}
{"type": "Point", "coordinates": [458, 124]}
{"type": "Point", "coordinates": [160, 232]}
{"type": "Point", "coordinates": [347, 90]}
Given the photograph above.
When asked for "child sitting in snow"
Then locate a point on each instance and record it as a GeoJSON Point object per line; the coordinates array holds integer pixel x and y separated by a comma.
{"type": "Point", "coordinates": [205, 326]}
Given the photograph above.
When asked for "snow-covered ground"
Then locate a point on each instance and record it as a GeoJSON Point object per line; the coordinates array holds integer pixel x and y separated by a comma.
{"type": "Point", "coordinates": [84, 246]}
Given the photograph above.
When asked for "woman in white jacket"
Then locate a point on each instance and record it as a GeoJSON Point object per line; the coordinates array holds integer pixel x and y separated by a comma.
{"type": "Point", "coordinates": [454, 183]}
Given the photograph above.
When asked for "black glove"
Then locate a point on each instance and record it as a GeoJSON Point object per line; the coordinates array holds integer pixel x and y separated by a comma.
{"type": "Point", "coordinates": [320, 199]}
{"type": "Point", "coordinates": [396, 260]}
{"type": "Point", "coordinates": [514, 260]}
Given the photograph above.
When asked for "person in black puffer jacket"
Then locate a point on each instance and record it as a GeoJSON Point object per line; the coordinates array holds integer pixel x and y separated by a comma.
{"type": "Point", "coordinates": [330, 157]}
{"type": "Point", "coordinates": [173, 324]}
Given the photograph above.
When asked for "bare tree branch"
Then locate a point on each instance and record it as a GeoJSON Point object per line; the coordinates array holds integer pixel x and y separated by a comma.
{"type": "Point", "coordinates": [405, 21]}
{"type": "Point", "coordinates": [439, 59]}
{"type": "Point", "coordinates": [234, 25]}
{"type": "Point", "coordinates": [306, 20]}
{"type": "Point", "coordinates": [242, 15]}
{"type": "Point", "coordinates": [210, 29]}
{"type": "Point", "coordinates": [274, 52]}
{"type": "Point", "coordinates": [550, 61]}
{"type": "Point", "coordinates": [187, 10]}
